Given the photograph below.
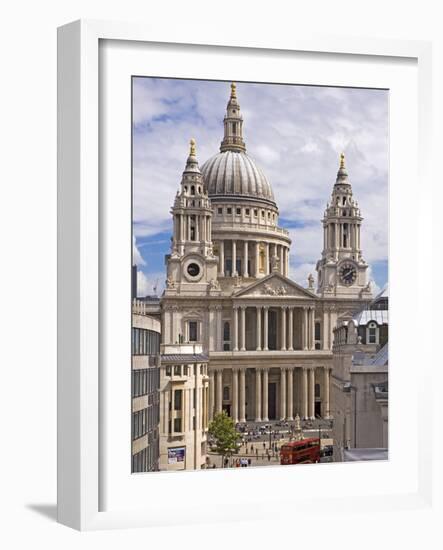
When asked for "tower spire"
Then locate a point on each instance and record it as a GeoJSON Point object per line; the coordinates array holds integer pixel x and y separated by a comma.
{"type": "Point", "coordinates": [342, 174]}
{"type": "Point", "coordinates": [233, 124]}
{"type": "Point", "coordinates": [192, 163]}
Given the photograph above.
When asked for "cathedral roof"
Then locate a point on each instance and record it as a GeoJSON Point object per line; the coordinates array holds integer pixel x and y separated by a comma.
{"type": "Point", "coordinates": [235, 174]}
{"type": "Point", "coordinates": [232, 173]}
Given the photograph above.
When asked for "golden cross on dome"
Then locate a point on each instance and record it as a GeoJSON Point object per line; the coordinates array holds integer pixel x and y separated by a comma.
{"type": "Point", "coordinates": [192, 147]}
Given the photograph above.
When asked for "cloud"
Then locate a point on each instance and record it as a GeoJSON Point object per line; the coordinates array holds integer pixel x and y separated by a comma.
{"type": "Point", "coordinates": [136, 256]}
{"type": "Point", "coordinates": [374, 286]}
{"type": "Point", "coordinates": [301, 272]}
{"type": "Point", "coordinates": [295, 134]}
{"type": "Point", "coordinates": [151, 284]}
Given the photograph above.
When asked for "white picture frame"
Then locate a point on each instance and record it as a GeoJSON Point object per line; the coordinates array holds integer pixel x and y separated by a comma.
{"type": "Point", "coordinates": [80, 262]}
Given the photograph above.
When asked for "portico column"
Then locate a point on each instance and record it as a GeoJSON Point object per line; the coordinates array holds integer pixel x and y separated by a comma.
{"type": "Point", "coordinates": [257, 261]}
{"type": "Point", "coordinates": [234, 258]}
{"type": "Point", "coordinates": [243, 328]}
{"type": "Point", "coordinates": [282, 393]}
{"type": "Point", "coordinates": [283, 328]}
{"type": "Point", "coordinates": [258, 329]}
{"type": "Point", "coordinates": [242, 395]}
{"type": "Point", "coordinates": [305, 328]}
{"type": "Point", "coordinates": [219, 390]}
{"type": "Point", "coordinates": [312, 393]}
{"type": "Point", "coordinates": [312, 328]}
{"type": "Point", "coordinates": [211, 394]}
{"type": "Point", "coordinates": [221, 265]}
{"type": "Point", "coordinates": [304, 384]}
{"type": "Point", "coordinates": [326, 409]}
{"type": "Point", "coordinates": [257, 395]}
{"type": "Point", "coordinates": [235, 331]}
{"type": "Point", "coordinates": [245, 259]}
{"type": "Point", "coordinates": [219, 317]}
{"type": "Point", "coordinates": [325, 331]}
{"type": "Point", "coordinates": [265, 395]}
{"type": "Point", "coordinates": [267, 259]}
{"type": "Point", "coordinates": [291, 329]}
{"type": "Point", "coordinates": [235, 395]}
{"type": "Point", "coordinates": [265, 328]}
{"type": "Point", "coordinates": [290, 407]}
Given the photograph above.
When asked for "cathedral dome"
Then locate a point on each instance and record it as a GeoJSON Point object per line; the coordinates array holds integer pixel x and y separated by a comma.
{"type": "Point", "coordinates": [232, 173]}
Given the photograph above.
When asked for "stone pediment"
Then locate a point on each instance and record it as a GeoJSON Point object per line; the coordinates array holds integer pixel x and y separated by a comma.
{"type": "Point", "coordinates": [275, 285]}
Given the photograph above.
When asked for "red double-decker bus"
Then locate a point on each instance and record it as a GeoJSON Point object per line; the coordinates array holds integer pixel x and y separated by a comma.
{"type": "Point", "coordinates": [305, 451]}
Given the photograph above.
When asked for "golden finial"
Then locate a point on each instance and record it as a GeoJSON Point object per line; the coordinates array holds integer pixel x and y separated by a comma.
{"type": "Point", "coordinates": [192, 148]}
{"type": "Point", "coordinates": [342, 161]}
{"type": "Point", "coordinates": [233, 90]}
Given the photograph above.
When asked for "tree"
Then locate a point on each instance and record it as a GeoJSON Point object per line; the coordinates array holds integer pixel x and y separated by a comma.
{"type": "Point", "coordinates": [222, 429]}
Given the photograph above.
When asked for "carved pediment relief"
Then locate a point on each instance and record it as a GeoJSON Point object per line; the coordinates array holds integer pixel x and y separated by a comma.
{"type": "Point", "coordinates": [275, 285]}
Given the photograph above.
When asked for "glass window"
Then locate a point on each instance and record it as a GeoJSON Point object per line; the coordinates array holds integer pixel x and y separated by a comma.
{"type": "Point", "coordinates": [238, 211]}
{"type": "Point", "coordinates": [177, 370]}
{"type": "Point", "coordinates": [229, 210]}
{"type": "Point", "coordinates": [168, 371]}
{"type": "Point", "coordinates": [177, 424]}
{"type": "Point", "coordinates": [247, 211]}
{"type": "Point", "coordinates": [226, 393]}
{"type": "Point", "coordinates": [177, 400]}
{"type": "Point", "coordinates": [226, 331]}
{"type": "Point", "coordinates": [220, 210]}
{"type": "Point", "coordinates": [193, 331]}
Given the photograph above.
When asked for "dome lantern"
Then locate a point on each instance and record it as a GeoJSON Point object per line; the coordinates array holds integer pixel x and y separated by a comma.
{"type": "Point", "coordinates": [233, 123]}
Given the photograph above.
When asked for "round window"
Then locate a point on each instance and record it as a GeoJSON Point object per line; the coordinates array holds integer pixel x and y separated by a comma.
{"type": "Point", "coordinates": [193, 270]}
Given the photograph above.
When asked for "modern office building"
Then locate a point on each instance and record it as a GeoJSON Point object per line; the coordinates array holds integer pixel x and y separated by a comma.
{"type": "Point", "coordinates": [145, 389]}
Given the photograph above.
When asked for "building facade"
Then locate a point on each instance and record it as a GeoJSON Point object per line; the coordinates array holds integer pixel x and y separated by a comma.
{"type": "Point", "coordinates": [268, 340]}
{"type": "Point", "coordinates": [145, 389]}
{"type": "Point", "coordinates": [360, 379]}
{"type": "Point", "coordinates": [184, 405]}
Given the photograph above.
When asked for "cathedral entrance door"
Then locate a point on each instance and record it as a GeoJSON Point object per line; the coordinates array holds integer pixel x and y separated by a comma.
{"type": "Point", "coordinates": [272, 329]}
{"type": "Point", "coordinates": [227, 409]}
{"type": "Point", "coordinates": [317, 408]}
{"type": "Point", "coordinates": [272, 401]}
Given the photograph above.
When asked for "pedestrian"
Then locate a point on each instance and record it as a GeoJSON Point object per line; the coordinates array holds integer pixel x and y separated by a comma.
{"type": "Point", "coordinates": [256, 452]}
{"type": "Point", "coordinates": [264, 445]}
{"type": "Point", "coordinates": [269, 458]}
{"type": "Point", "coordinates": [249, 461]}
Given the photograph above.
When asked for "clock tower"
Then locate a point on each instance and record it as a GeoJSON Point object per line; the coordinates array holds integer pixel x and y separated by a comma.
{"type": "Point", "coordinates": [342, 271]}
{"type": "Point", "coordinates": [191, 266]}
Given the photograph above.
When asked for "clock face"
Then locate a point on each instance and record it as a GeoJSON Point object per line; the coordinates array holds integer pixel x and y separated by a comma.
{"type": "Point", "coordinates": [347, 274]}
{"type": "Point", "coordinates": [193, 270]}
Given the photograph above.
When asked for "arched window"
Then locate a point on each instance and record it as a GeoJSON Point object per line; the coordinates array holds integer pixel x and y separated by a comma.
{"type": "Point", "coordinates": [372, 333]}
{"type": "Point", "coordinates": [317, 390]}
{"type": "Point", "coordinates": [192, 190]}
{"type": "Point", "coordinates": [226, 393]}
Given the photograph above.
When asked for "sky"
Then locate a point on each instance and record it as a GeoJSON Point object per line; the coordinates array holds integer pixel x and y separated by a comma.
{"type": "Point", "coordinates": [294, 133]}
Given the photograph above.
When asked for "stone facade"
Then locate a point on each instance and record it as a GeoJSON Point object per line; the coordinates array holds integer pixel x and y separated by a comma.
{"type": "Point", "coordinates": [268, 340]}
{"type": "Point", "coordinates": [359, 391]}
{"type": "Point", "coordinates": [184, 405]}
